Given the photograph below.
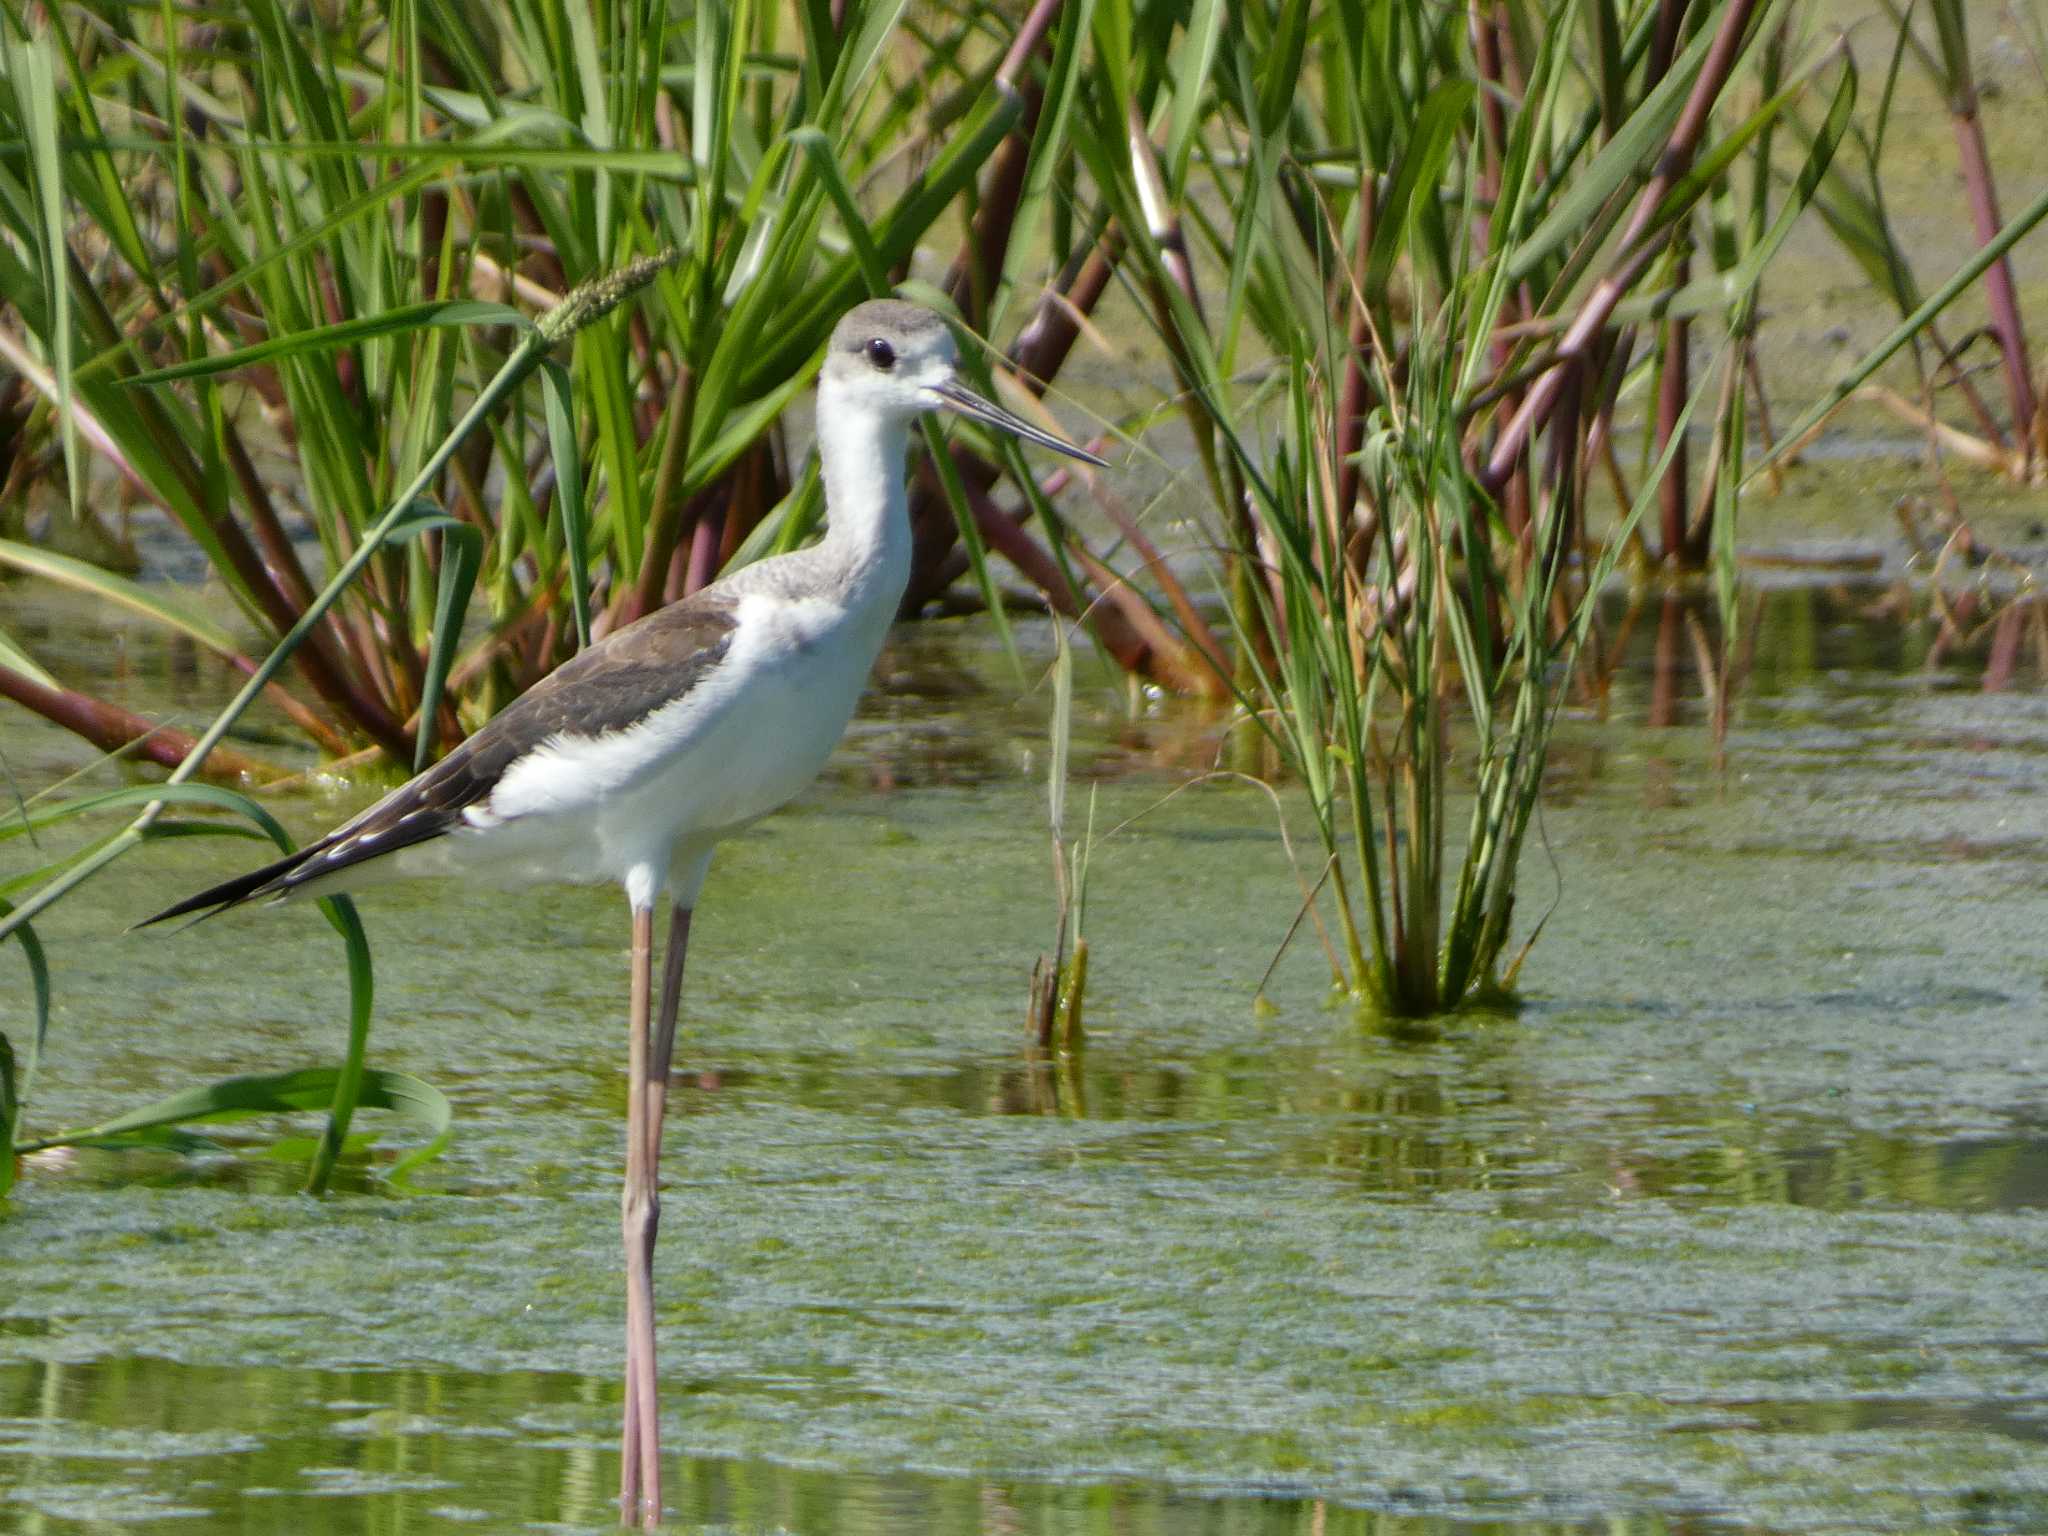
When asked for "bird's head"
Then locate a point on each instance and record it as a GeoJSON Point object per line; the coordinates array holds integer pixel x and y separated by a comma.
{"type": "Point", "coordinates": [899, 361]}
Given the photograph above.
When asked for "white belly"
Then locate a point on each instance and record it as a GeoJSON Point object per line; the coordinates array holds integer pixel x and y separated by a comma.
{"type": "Point", "coordinates": [634, 805]}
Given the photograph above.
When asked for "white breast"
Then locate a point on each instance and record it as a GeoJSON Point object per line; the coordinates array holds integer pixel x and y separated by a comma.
{"type": "Point", "coordinates": [744, 741]}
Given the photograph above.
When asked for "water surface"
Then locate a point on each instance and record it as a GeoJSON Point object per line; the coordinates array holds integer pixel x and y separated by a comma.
{"type": "Point", "coordinates": [1736, 1225]}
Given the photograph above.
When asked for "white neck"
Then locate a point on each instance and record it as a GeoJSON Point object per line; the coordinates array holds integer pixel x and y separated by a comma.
{"type": "Point", "coordinates": [867, 530]}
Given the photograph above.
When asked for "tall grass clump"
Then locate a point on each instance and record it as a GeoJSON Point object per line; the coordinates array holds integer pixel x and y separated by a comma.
{"type": "Point", "coordinates": [1407, 336]}
{"type": "Point", "coordinates": [258, 271]}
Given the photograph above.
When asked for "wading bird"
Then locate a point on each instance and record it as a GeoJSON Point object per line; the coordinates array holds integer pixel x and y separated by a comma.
{"type": "Point", "coordinates": [636, 757]}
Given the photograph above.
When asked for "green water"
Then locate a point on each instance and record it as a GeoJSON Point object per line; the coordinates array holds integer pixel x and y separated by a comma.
{"type": "Point", "coordinates": [1737, 1225]}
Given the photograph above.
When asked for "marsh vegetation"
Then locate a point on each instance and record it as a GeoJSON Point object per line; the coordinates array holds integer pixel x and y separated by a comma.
{"type": "Point", "coordinates": [1553, 442]}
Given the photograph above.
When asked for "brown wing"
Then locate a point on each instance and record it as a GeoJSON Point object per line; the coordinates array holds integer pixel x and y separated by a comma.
{"type": "Point", "coordinates": [615, 683]}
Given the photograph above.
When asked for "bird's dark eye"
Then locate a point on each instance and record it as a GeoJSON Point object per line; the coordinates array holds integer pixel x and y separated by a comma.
{"type": "Point", "coordinates": [881, 354]}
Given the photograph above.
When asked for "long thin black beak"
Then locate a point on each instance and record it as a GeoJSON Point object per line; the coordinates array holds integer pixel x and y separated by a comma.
{"type": "Point", "coordinates": [958, 397]}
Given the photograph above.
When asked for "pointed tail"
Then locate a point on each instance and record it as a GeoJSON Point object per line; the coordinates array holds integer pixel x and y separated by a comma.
{"type": "Point", "coordinates": [269, 880]}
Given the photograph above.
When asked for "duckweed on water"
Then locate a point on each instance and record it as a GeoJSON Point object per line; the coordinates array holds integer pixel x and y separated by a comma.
{"type": "Point", "coordinates": [1737, 1225]}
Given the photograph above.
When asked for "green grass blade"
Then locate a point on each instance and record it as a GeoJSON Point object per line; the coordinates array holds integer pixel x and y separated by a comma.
{"type": "Point", "coordinates": [2014, 231]}
{"type": "Point", "coordinates": [872, 26]}
{"type": "Point", "coordinates": [604, 367]}
{"type": "Point", "coordinates": [1190, 66]}
{"type": "Point", "coordinates": [307, 1088]}
{"type": "Point", "coordinates": [787, 524]}
{"type": "Point", "coordinates": [710, 459]}
{"type": "Point", "coordinates": [1713, 163]}
{"type": "Point", "coordinates": [1062, 727]}
{"type": "Point", "coordinates": [35, 86]}
{"type": "Point", "coordinates": [584, 305]}
{"type": "Point", "coordinates": [1806, 186]}
{"type": "Point", "coordinates": [559, 396]}
{"type": "Point", "coordinates": [970, 536]}
{"type": "Point", "coordinates": [1280, 64]}
{"type": "Point", "coordinates": [213, 796]}
{"type": "Point", "coordinates": [10, 1115]}
{"type": "Point", "coordinates": [340, 913]}
{"type": "Point", "coordinates": [18, 1087]}
{"type": "Point", "coordinates": [1617, 164]}
{"type": "Point", "coordinates": [462, 556]}
{"type": "Point", "coordinates": [1416, 179]}
{"type": "Point", "coordinates": [826, 165]}
{"type": "Point", "coordinates": [350, 1080]}
{"type": "Point", "coordinates": [326, 338]}
{"type": "Point", "coordinates": [1064, 81]}
{"type": "Point", "coordinates": [157, 603]}
{"type": "Point", "coordinates": [375, 202]}
{"type": "Point", "coordinates": [15, 659]}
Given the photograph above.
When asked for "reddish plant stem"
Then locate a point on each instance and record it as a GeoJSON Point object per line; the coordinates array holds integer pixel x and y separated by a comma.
{"type": "Point", "coordinates": [1151, 562]}
{"type": "Point", "coordinates": [1163, 225]}
{"type": "Point", "coordinates": [703, 551]}
{"type": "Point", "coordinates": [972, 280]}
{"type": "Point", "coordinates": [1048, 338]}
{"type": "Point", "coordinates": [678, 575]}
{"type": "Point", "coordinates": [1484, 27]}
{"type": "Point", "coordinates": [1541, 401]}
{"type": "Point", "coordinates": [114, 729]}
{"type": "Point", "coordinates": [1636, 251]}
{"type": "Point", "coordinates": [282, 559]}
{"type": "Point", "coordinates": [1947, 362]}
{"type": "Point", "coordinates": [315, 659]}
{"type": "Point", "coordinates": [1998, 284]}
{"type": "Point", "coordinates": [1166, 659]}
{"type": "Point", "coordinates": [1675, 377]}
{"type": "Point", "coordinates": [1699, 537]}
{"type": "Point", "coordinates": [1664, 43]}
{"type": "Point", "coordinates": [1122, 619]}
{"type": "Point", "coordinates": [1563, 485]}
{"type": "Point", "coordinates": [1111, 618]}
{"type": "Point", "coordinates": [670, 516]}
{"type": "Point", "coordinates": [755, 490]}
{"type": "Point", "coordinates": [987, 244]}
{"type": "Point", "coordinates": [1354, 396]}
{"type": "Point", "coordinates": [1664, 666]}
{"type": "Point", "coordinates": [1487, 37]}
{"type": "Point", "coordinates": [970, 283]}
{"type": "Point", "coordinates": [296, 710]}
{"type": "Point", "coordinates": [1031, 35]}
{"type": "Point", "coordinates": [1674, 382]}
{"type": "Point", "coordinates": [1612, 362]}
{"type": "Point", "coordinates": [2005, 650]}
{"type": "Point", "coordinates": [1241, 560]}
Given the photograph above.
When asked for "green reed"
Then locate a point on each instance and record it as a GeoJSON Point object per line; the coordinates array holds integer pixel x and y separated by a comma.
{"type": "Point", "coordinates": [318, 244]}
{"type": "Point", "coordinates": [1405, 330]}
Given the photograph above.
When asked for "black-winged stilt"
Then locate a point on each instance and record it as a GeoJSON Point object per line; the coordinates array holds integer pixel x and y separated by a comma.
{"type": "Point", "coordinates": [635, 758]}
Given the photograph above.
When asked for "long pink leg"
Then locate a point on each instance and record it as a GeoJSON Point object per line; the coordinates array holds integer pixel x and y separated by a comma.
{"type": "Point", "coordinates": [639, 1212]}
{"type": "Point", "coordinates": [664, 1042]}
{"type": "Point", "coordinates": [647, 1101]}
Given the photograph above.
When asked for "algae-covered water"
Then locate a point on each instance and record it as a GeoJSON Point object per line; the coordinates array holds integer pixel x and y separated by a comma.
{"type": "Point", "coordinates": [1737, 1225]}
